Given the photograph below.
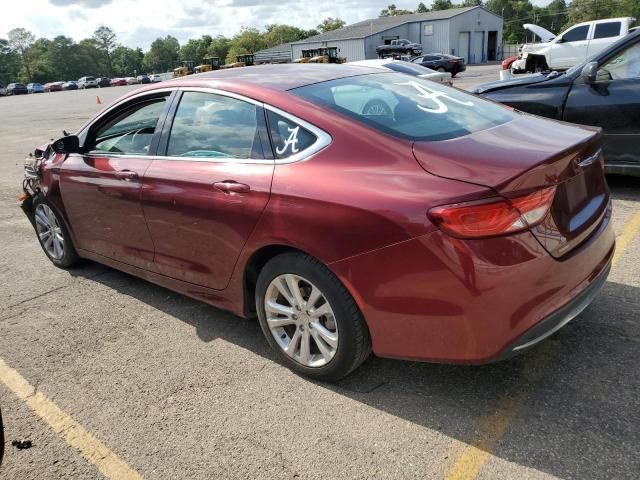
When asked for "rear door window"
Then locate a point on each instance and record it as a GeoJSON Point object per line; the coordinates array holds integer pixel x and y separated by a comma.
{"type": "Point", "coordinates": [208, 125]}
{"type": "Point", "coordinates": [607, 29]}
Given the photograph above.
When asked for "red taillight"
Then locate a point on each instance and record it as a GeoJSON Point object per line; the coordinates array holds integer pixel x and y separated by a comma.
{"type": "Point", "coordinates": [494, 216]}
{"type": "Point", "coordinates": [453, 61]}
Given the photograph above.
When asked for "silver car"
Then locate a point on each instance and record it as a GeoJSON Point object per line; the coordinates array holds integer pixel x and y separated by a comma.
{"type": "Point", "coordinates": [87, 82]}
{"type": "Point", "coordinates": [408, 68]}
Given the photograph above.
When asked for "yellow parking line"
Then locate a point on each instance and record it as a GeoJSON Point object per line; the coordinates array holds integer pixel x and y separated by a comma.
{"type": "Point", "coordinates": [628, 234]}
{"type": "Point", "coordinates": [475, 455]}
{"type": "Point", "coordinates": [60, 422]}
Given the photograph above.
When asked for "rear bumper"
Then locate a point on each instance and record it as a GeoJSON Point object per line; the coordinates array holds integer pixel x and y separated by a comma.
{"type": "Point", "coordinates": [441, 299]}
{"type": "Point", "coordinates": [558, 319]}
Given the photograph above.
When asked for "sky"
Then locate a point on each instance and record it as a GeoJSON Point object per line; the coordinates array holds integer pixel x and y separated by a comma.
{"type": "Point", "coordinates": [138, 22]}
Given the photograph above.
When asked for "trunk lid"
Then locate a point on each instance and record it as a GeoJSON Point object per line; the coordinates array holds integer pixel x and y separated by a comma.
{"type": "Point", "coordinates": [525, 155]}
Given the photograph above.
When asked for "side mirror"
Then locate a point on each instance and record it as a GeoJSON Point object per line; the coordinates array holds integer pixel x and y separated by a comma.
{"type": "Point", "coordinates": [590, 72]}
{"type": "Point", "coordinates": [559, 40]}
{"type": "Point", "coordinates": [68, 144]}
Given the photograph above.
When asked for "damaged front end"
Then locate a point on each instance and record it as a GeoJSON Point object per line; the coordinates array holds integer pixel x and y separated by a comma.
{"type": "Point", "coordinates": [32, 179]}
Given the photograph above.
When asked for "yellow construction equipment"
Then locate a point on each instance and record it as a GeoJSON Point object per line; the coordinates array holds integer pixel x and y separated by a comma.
{"type": "Point", "coordinates": [244, 60]}
{"type": "Point", "coordinates": [327, 55]}
{"type": "Point", "coordinates": [208, 64]}
{"type": "Point", "coordinates": [185, 69]}
{"type": "Point", "coordinates": [307, 55]}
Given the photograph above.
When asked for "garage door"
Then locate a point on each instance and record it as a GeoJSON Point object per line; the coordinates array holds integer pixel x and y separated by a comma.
{"type": "Point", "coordinates": [463, 46]}
{"type": "Point", "coordinates": [477, 47]}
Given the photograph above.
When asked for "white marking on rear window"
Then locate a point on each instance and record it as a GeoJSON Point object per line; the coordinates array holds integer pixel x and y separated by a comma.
{"type": "Point", "coordinates": [433, 95]}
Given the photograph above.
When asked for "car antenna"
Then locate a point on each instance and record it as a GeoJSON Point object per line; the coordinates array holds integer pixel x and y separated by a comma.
{"type": "Point", "coordinates": [65, 133]}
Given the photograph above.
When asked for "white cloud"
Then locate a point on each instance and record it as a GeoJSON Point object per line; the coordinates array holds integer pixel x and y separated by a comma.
{"type": "Point", "coordinates": [139, 22]}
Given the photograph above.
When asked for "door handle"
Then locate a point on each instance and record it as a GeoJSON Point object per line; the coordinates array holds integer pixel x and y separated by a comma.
{"type": "Point", "coordinates": [231, 186]}
{"type": "Point", "coordinates": [126, 175]}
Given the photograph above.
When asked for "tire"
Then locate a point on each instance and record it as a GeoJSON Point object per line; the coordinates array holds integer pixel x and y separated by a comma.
{"type": "Point", "coordinates": [341, 323]}
{"type": "Point", "coordinates": [60, 250]}
{"type": "Point", "coordinates": [441, 70]}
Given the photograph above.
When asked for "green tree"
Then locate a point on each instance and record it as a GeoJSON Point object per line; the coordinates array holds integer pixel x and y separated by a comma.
{"type": "Point", "coordinates": [9, 62]}
{"type": "Point", "coordinates": [421, 8]}
{"type": "Point", "coordinates": [441, 5]}
{"type": "Point", "coordinates": [392, 11]}
{"type": "Point", "coordinates": [470, 3]}
{"type": "Point", "coordinates": [515, 13]}
{"type": "Point", "coordinates": [163, 55]}
{"type": "Point", "coordinates": [20, 41]}
{"type": "Point", "coordinates": [127, 61]}
{"type": "Point", "coordinates": [249, 40]}
{"type": "Point", "coordinates": [105, 41]}
{"type": "Point", "coordinates": [585, 10]}
{"type": "Point", "coordinates": [219, 47]}
{"type": "Point", "coordinates": [92, 58]}
{"type": "Point", "coordinates": [277, 33]}
{"type": "Point", "coordinates": [330, 23]}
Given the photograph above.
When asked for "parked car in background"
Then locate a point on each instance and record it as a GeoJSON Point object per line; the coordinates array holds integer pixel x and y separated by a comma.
{"type": "Point", "coordinates": [70, 85]}
{"type": "Point", "coordinates": [143, 79]}
{"type": "Point", "coordinates": [35, 88]}
{"type": "Point", "coordinates": [343, 232]}
{"type": "Point", "coordinates": [399, 47]}
{"type": "Point", "coordinates": [118, 82]}
{"type": "Point", "coordinates": [103, 82]}
{"type": "Point", "coordinates": [3, 90]}
{"type": "Point", "coordinates": [602, 91]}
{"type": "Point", "coordinates": [131, 80]}
{"type": "Point", "coordinates": [53, 86]}
{"type": "Point", "coordinates": [155, 78]}
{"type": "Point", "coordinates": [442, 62]}
{"type": "Point", "coordinates": [408, 68]}
{"type": "Point", "coordinates": [87, 82]}
{"type": "Point", "coordinates": [16, 89]}
{"type": "Point", "coordinates": [571, 47]}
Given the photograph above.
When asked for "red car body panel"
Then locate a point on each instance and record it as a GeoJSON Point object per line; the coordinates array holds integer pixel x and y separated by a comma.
{"type": "Point", "coordinates": [198, 230]}
{"type": "Point", "coordinates": [103, 206]}
{"type": "Point", "coordinates": [360, 206]}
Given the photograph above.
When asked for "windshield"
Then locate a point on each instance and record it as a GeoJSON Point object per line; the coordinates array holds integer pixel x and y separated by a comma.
{"type": "Point", "coordinates": [407, 107]}
{"type": "Point", "coordinates": [580, 65]}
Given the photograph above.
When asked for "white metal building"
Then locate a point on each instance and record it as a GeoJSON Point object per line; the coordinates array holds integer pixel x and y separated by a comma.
{"type": "Point", "coordinates": [473, 33]}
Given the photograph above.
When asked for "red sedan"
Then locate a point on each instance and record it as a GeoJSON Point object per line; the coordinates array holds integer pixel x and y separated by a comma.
{"type": "Point", "coordinates": [53, 87]}
{"type": "Point", "coordinates": [349, 209]}
{"type": "Point", "coordinates": [118, 82]}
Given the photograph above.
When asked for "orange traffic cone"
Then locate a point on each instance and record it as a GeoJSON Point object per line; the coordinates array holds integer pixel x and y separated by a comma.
{"type": "Point", "coordinates": [98, 101]}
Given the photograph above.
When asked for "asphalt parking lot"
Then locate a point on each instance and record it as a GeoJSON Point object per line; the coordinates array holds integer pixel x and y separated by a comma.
{"type": "Point", "coordinates": [108, 375]}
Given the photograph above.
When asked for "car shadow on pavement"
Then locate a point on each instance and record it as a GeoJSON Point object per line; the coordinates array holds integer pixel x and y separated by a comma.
{"type": "Point", "coordinates": [571, 404]}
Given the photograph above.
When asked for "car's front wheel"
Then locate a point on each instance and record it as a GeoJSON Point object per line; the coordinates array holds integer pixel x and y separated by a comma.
{"type": "Point", "coordinates": [53, 235]}
{"type": "Point", "coordinates": [309, 318]}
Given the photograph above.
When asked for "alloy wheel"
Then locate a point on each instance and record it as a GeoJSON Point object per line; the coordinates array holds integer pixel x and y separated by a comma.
{"type": "Point", "coordinates": [50, 231]}
{"type": "Point", "coordinates": [301, 320]}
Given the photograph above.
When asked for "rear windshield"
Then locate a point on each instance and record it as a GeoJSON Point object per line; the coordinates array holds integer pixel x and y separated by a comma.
{"type": "Point", "coordinates": [90, 79]}
{"type": "Point", "coordinates": [407, 107]}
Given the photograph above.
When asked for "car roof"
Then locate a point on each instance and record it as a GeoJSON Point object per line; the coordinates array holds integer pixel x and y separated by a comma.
{"type": "Point", "coordinates": [283, 76]}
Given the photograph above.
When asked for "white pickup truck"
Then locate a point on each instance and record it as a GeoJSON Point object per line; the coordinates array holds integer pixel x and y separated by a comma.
{"type": "Point", "coordinates": [570, 47]}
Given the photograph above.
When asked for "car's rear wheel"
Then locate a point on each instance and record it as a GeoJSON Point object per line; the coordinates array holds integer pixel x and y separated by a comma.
{"type": "Point", "coordinates": [53, 235]}
{"type": "Point", "coordinates": [441, 69]}
{"type": "Point", "coordinates": [309, 318]}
